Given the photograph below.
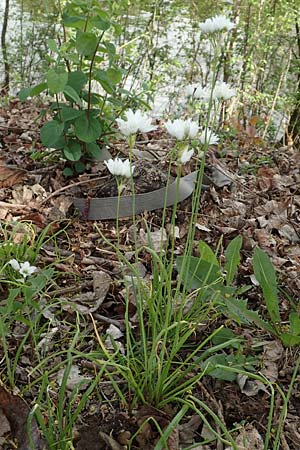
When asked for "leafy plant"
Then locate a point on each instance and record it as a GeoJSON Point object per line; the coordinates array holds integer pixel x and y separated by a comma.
{"type": "Point", "coordinates": [82, 77]}
{"type": "Point", "coordinates": [204, 275]}
{"type": "Point", "coordinates": [266, 276]}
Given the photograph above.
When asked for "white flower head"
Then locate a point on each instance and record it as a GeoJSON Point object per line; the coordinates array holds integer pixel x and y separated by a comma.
{"type": "Point", "coordinates": [223, 91]}
{"type": "Point", "coordinates": [176, 129]}
{"type": "Point", "coordinates": [208, 137]}
{"type": "Point", "coordinates": [24, 268]}
{"type": "Point", "coordinates": [191, 129]}
{"type": "Point", "coordinates": [186, 155]}
{"type": "Point", "coordinates": [120, 168]}
{"type": "Point", "coordinates": [136, 121]}
{"type": "Point", "coordinates": [203, 94]}
{"type": "Point", "coordinates": [215, 24]}
{"type": "Point", "coordinates": [182, 129]}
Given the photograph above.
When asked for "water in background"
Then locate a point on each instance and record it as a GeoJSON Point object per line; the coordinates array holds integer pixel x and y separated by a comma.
{"type": "Point", "coordinates": [170, 53]}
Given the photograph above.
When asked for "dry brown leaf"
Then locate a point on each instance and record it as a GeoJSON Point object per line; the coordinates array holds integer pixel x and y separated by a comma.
{"type": "Point", "coordinates": [10, 175]}
{"type": "Point", "coordinates": [16, 412]}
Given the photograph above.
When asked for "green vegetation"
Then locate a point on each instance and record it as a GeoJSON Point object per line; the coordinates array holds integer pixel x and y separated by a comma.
{"type": "Point", "coordinates": [191, 318]}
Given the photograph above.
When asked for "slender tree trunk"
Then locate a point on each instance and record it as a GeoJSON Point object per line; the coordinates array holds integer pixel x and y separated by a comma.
{"type": "Point", "coordinates": [294, 123]}
{"type": "Point", "coordinates": [5, 86]}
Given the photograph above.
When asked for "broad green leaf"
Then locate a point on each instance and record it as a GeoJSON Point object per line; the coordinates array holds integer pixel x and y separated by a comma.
{"type": "Point", "coordinates": [24, 93]}
{"type": "Point", "coordinates": [56, 81]}
{"type": "Point", "coordinates": [68, 172]}
{"type": "Point", "coordinates": [77, 80]}
{"type": "Point", "coordinates": [51, 133]}
{"type": "Point", "coordinates": [237, 309]}
{"type": "Point", "coordinates": [225, 335]}
{"type": "Point", "coordinates": [219, 373]}
{"type": "Point", "coordinates": [207, 254]}
{"type": "Point", "coordinates": [100, 23]}
{"type": "Point", "coordinates": [73, 21]}
{"type": "Point", "coordinates": [102, 77]}
{"type": "Point", "coordinates": [94, 151]}
{"type": "Point", "coordinates": [87, 129]}
{"type": "Point", "coordinates": [114, 75]}
{"type": "Point", "coordinates": [68, 113]}
{"type": "Point", "coordinates": [294, 319]}
{"type": "Point", "coordinates": [72, 94]}
{"type": "Point", "coordinates": [79, 167]}
{"type": "Point", "coordinates": [72, 151]}
{"type": "Point", "coordinates": [289, 340]}
{"type": "Point", "coordinates": [52, 45]}
{"type": "Point", "coordinates": [265, 274]}
{"type": "Point", "coordinates": [36, 90]}
{"type": "Point", "coordinates": [232, 254]}
{"type": "Point", "coordinates": [197, 272]}
{"type": "Point", "coordinates": [111, 50]}
{"type": "Point", "coordinates": [86, 43]}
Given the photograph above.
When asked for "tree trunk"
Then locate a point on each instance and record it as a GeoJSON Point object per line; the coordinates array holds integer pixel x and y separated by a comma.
{"type": "Point", "coordinates": [5, 86]}
{"type": "Point", "coordinates": [293, 132]}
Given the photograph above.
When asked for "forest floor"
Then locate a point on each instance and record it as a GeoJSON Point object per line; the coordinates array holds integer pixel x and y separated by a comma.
{"type": "Point", "coordinates": [260, 202]}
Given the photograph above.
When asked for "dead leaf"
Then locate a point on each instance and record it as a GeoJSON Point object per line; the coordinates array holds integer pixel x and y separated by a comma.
{"type": "Point", "coordinates": [108, 440]}
{"type": "Point", "coordinates": [74, 378]}
{"type": "Point", "coordinates": [10, 175]}
{"type": "Point", "coordinates": [248, 438]}
{"type": "Point", "coordinates": [16, 412]}
{"type": "Point", "coordinates": [4, 428]}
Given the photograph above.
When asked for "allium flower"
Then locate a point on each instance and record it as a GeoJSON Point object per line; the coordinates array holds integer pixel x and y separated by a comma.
{"type": "Point", "coordinates": [217, 23]}
{"type": "Point", "coordinates": [223, 91]}
{"type": "Point", "coordinates": [202, 93]}
{"type": "Point", "coordinates": [136, 121]}
{"type": "Point", "coordinates": [182, 129]}
{"type": "Point", "coordinates": [118, 167]}
{"type": "Point", "coordinates": [208, 137]}
{"type": "Point", "coordinates": [186, 156]}
{"type": "Point", "coordinates": [24, 268]}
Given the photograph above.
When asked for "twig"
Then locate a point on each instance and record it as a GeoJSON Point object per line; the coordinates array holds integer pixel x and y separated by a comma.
{"type": "Point", "coordinates": [69, 186]}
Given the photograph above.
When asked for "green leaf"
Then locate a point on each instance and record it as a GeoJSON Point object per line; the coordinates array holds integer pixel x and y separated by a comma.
{"type": "Point", "coordinates": [289, 340]}
{"type": "Point", "coordinates": [56, 81]}
{"type": "Point", "coordinates": [24, 93]}
{"type": "Point", "coordinates": [100, 23]}
{"type": "Point", "coordinates": [94, 151]}
{"type": "Point", "coordinates": [72, 151]}
{"type": "Point", "coordinates": [102, 77]}
{"type": "Point", "coordinates": [73, 21]}
{"type": "Point", "coordinates": [225, 335]}
{"type": "Point", "coordinates": [77, 80]}
{"type": "Point", "coordinates": [265, 274]}
{"type": "Point", "coordinates": [71, 93]}
{"type": "Point", "coordinates": [36, 90]}
{"type": "Point", "coordinates": [294, 319]}
{"type": "Point", "coordinates": [68, 172]}
{"type": "Point", "coordinates": [207, 254]}
{"type": "Point", "coordinates": [218, 373]}
{"type": "Point", "coordinates": [68, 113]}
{"type": "Point", "coordinates": [51, 133]}
{"type": "Point", "coordinates": [197, 272]}
{"type": "Point", "coordinates": [86, 43]}
{"type": "Point", "coordinates": [114, 75]}
{"type": "Point", "coordinates": [79, 167]}
{"type": "Point", "coordinates": [232, 254]}
{"type": "Point", "coordinates": [237, 309]}
{"type": "Point", "coordinates": [52, 45]}
{"type": "Point", "coordinates": [87, 129]}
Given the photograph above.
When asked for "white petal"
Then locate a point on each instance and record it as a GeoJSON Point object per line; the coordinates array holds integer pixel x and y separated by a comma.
{"type": "Point", "coordinates": [26, 269]}
{"type": "Point", "coordinates": [14, 264]}
{"type": "Point", "coordinates": [186, 156]}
